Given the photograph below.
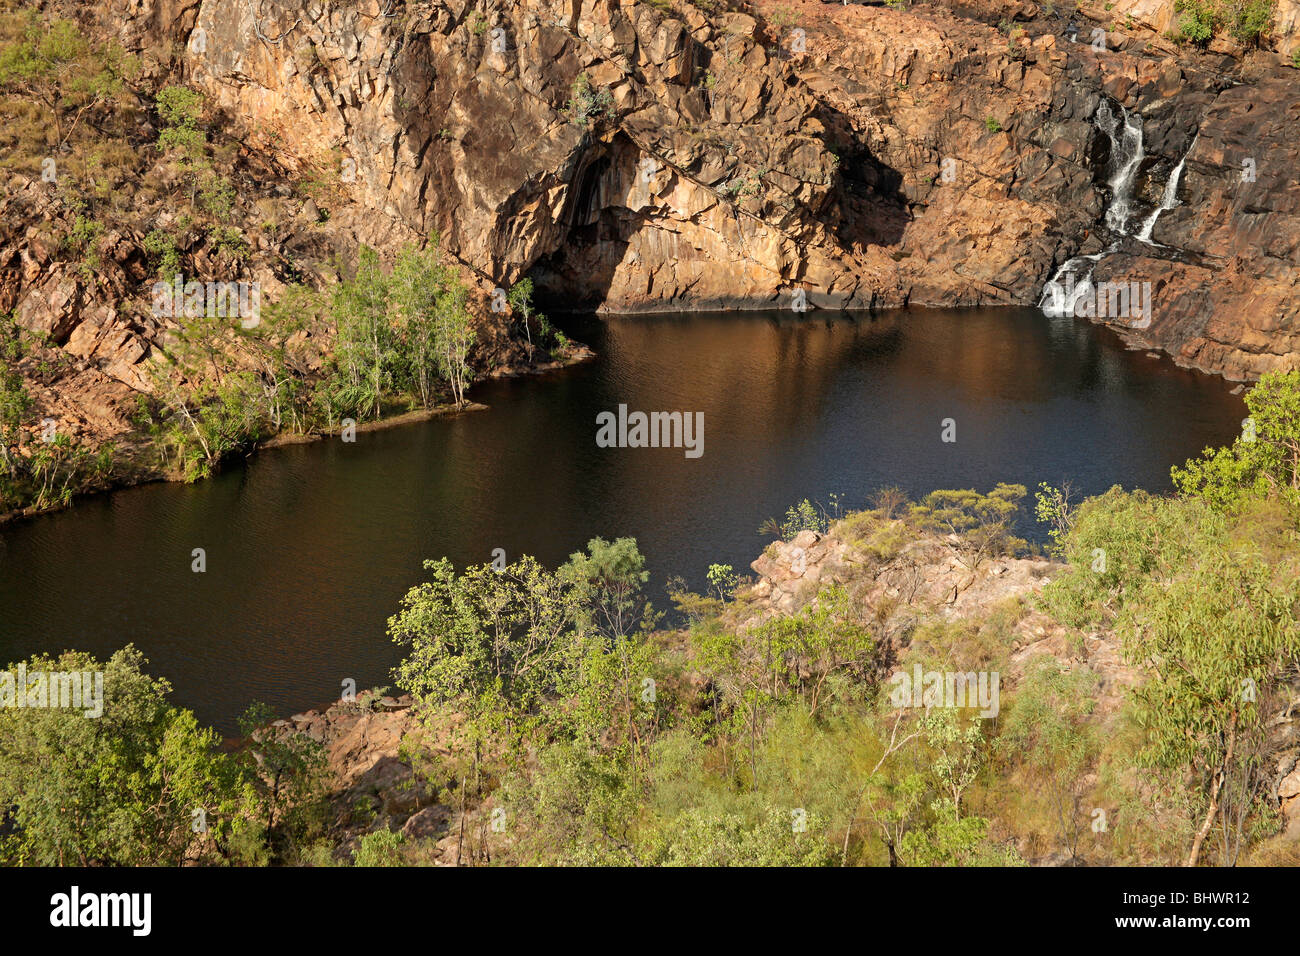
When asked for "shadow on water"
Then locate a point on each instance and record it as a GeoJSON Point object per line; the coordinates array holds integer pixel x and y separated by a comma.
{"type": "Point", "coordinates": [309, 548]}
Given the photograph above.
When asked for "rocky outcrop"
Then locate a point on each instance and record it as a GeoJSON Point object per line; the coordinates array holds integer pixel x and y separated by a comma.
{"type": "Point", "coordinates": [636, 156]}
{"type": "Point", "coordinates": [922, 578]}
{"type": "Point", "coordinates": [927, 578]}
{"type": "Point", "coordinates": [368, 746]}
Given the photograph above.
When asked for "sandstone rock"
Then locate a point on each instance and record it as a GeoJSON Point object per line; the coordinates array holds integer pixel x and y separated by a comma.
{"type": "Point", "coordinates": [431, 823]}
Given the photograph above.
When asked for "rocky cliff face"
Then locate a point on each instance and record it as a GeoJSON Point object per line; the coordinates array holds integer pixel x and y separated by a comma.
{"type": "Point", "coordinates": [638, 156]}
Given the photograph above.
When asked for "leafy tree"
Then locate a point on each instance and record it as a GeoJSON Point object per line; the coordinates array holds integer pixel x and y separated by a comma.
{"type": "Point", "coordinates": [953, 840]}
{"type": "Point", "coordinates": [1117, 540]}
{"type": "Point", "coordinates": [698, 837]}
{"type": "Point", "coordinates": [579, 808]}
{"type": "Point", "coordinates": [495, 644]}
{"type": "Point", "coordinates": [807, 651]}
{"type": "Point", "coordinates": [1206, 603]}
{"type": "Point", "coordinates": [1049, 729]}
{"type": "Point", "coordinates": [722, 579]}
{"type": "Point", "coordinates": [180, 109]}
{"type": "Point", "coordinates": [1213, 634]}
{"type": "Point", "coordinates": [126, 788]}
{"type": "Point", "coordinates": [290, 769]}
{"type": "Point", "coordinates": [588, 105]}
{"type": "Point", "coordinates": [420, 292]}
{"type": "Point", "coordinates": [453, 335]}
{"type": "Point", "coordinates": [381, 848]}
{"type": "Point", "coordinates": [211, 421]}
{"type": "Point", "coordinates": [521, 302]}
{"type": "Point", "coordinates": [803, 516]}
{"type": "Point", "coordinates": [1052, 508]}
{"type": "Point", "coordinates": [610, 579]}
{"type": "Point", "coordinates": [1263, 461]}
{"type": "Point", "coordinates": [1199, 20]}
{"type": "Point", "coordinates": [366, 344]}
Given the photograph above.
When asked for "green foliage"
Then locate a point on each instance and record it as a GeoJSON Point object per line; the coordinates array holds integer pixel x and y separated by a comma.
{"type": "Point", "coordinates": [496, 644]}
{"type": "Point", "coordinates": [609, 580]}
{"type": "Point", "coordinates": [1204, 592]}
{"type": "Point", "coordinates": [435, 328]}
{"type": "Point", "coordinates": [980, 524]}
{"type": "Point", "coordinates": [579, 808]}
{"type": "Point", "coordinates": [699, 838]}
{"type": "Point", "coordinates": [1050, 730]}
{"type": "Point", "coordinates": [213, 420]}
{"type": "Point", "coordinates": [722, 580]}
{"type": "Point", "coordinates": [1052, 508]}
{"type": "Point", "coordinates": [121, 789]}
{"type": "Point", "coordinates": [1117, 541]}
{"type": "Point", "coordinates": [290, 771]}
{"type": "Point", "coordinates": [15, 403]}
{"type": "Point", "coordinates": [588, 105]}
{"type": "Point", "coordinates": [1264, 461]}
{"type": "Point", "coordinates": [520, 299]}
{"type": "Point", "coordinates": [162, 246]}
{"type": "Point", "coordinates": [180, 110]}
{"type": "Point", "coordinates": [804, 516]}
{"type": "Point", "coordinates": [399, 332]}
{"type": "Point", "coordinates": [381, 848]}
{"type": "Point", "coordinates": [953, 840]}
{"type": "Point", "coordinates": [1246, 20]}
{"type": "Point", "coordinates": [1198, 21]}
{"type": "Point", "coordinates": [366, 348]}
{"type": "Point", "coordinates": [1252, 19]}
{"type": "Point", "coordinates": [82, 239]}
{"type": "Point", "coordinates": [52, 63]}
{"type": "Point", "coordinates": [992, 125]}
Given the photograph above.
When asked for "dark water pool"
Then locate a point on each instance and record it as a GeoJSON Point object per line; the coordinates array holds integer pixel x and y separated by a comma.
{"type": "Point", "coordinates": [310, 547]}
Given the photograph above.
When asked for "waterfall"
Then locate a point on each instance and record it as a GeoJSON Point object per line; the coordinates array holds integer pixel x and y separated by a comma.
{"type": "Point", "coordinates": [1126, 153]}
{"type": "Point", "coordinates": [1169, 199]}
{"type": "Point", "coordinates": [1124, 131]}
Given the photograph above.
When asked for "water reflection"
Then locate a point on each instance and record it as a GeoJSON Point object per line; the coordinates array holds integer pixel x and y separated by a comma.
{"type": "Point", "coordinates": [310, 547]}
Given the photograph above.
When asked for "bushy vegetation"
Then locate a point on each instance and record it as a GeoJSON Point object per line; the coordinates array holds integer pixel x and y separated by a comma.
{"type": "Point", "coordinates": [1247, 21]}
{"type": "Point", "coordinates": [143, 784]}
{"type": "Point", "coordinates": [40, 466]}
{"type": "Point", "coordinates": [401, 340]}
{"type": "Point", "coordinates": [772, 741]}
{"type": "Point", "coordinates": [588, 105]}
{"type": "Point", "coordinates": [1204, 590]}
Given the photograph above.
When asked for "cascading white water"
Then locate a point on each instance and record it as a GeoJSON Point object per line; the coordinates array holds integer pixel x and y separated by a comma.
{"type": "Point", "coordinates": [1126, 154]}
{"type": "Point", "coordinates": [1169, 199]}
{"type": "Point", "coordinates": [1061, 293]}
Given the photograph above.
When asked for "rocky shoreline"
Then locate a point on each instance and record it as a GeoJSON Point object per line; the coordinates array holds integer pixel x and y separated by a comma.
{"type": "Point", "coordinates": [578, 354]}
